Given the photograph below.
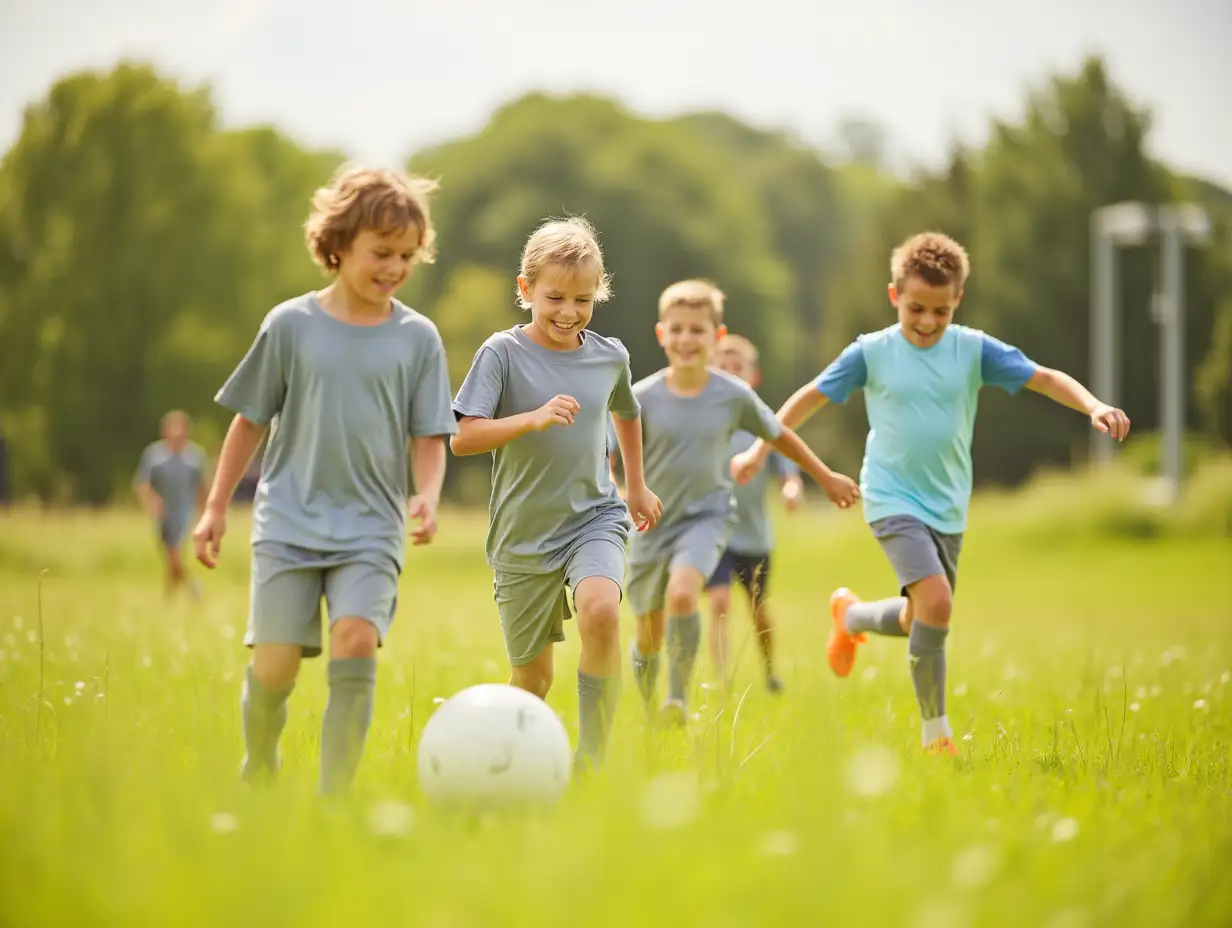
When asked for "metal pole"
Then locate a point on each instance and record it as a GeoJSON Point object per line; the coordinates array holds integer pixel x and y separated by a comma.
{"type": "Point", "coordinates": [1172, 349]}
{"type": "Point", "coordinates": [1103, 328]}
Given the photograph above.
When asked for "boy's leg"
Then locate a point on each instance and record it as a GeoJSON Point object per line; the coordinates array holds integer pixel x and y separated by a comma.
{"type": "Point", "coordinates": [363, 598]}
{"type": "Point", "coordinates": [754, 575]}
{"type": "Point", "coordinates": [533, 609]}
{"type": "Point", "coordinates": [696, 556]}
{"type": "Point", "coordinates": [647, 591]}
{"type": "Point", "coordinates": [284, 625]}
{"type": "Point", "coordinates": [718, 588]}
{"type": "Point", "coordinates": [594, 572]}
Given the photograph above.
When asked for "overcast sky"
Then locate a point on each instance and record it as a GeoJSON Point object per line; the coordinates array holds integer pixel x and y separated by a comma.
{"type": "Point", "coordinates": [378, 78]}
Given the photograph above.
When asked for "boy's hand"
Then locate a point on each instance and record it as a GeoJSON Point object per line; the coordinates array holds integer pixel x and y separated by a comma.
{"type": "Point", "coordinates": [423, 509]}
{"type": "Point", "coordinates": [792, 491]}
{"type": "Point", "coordinates": [644, 507]}
{"type": "Point", "coordinates": [559, 410]}
{"type": "Point", "coordinates": [745, 465]}
{"type": "Point", "coordinates": [156, 508]}
{"type": "Point", "coordinates": [1110, 421]}
{"type": "Point", "coordinates": [843, 491]}
{"type": "Point", "coordinates": [207, 536]}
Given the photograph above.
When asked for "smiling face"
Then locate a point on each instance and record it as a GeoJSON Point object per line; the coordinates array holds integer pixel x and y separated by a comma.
{"type": "Point", "coordinates": [377, 264]}
{"type": "Point", "coordinates": [688, 335]}
{"type": "Point", "coordinates": [562, 300]}
{"type": "Point", "coordinates": [925, 310]}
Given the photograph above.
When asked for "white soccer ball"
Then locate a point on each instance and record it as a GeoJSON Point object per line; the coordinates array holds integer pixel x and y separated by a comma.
{"type": "Point", "coordinates": [493, 746]}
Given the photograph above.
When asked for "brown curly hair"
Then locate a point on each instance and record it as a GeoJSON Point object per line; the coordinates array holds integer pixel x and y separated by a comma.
{"type": "Point", "coordinates": [933, 257]}
{"type": "Point", "coordinates": [368, 198]}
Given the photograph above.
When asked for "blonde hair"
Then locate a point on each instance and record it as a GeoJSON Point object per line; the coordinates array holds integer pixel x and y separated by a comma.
{"type": "Point", "coordinates": [368, 198]}
{"type": "Point", "coordinates": [933, 257]}
{"type": "Point", "coordinates": [174, 417]}
{"type": "Point", "coordinates": [740, 345]}
{"type": "Point", "coordinates": [567, 242]}
{"type": "Point", "coordinates": [695, 294]}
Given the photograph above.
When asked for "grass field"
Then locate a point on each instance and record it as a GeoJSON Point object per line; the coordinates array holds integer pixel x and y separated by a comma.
{"type": "Point", "coordinates": [1090, 682]}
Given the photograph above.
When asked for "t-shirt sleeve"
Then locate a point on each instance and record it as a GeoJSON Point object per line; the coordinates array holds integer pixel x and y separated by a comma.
{"type": "Point", "coordinates": [481, 391]}
{"type": "Point", "coordinates": [431, 411]}
{"type": "Point", "coordinates": [845, 374]}
{"type": "Point", "coordinates": [257, 388]}
{"type": "Point", "coordinates": [623, 401]}
{"type": "Point", "coordinates": [758, 418]}
{"type": "Point", "coordinates": [1004, 366]}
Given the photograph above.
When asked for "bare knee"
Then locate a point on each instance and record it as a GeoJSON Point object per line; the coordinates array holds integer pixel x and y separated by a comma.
{"type": "Point", "coordinates": [930, 601]}
{"type": "Point", "coordinates": [353, 637]}
{"type": "Point", "coordinates": [597, 600]}
{"type": "Point", "coordinates": [720, 604]}
{"type": "Point", "coordinates": [683, 592]}
{"type": "Point", "coordinates": [275, 666]}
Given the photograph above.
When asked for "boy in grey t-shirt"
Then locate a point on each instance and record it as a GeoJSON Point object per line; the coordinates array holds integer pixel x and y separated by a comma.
{"type": "Point", "coordinates": [538, 397]}
{"type": "Point", "coordinates": [342, 379]}
{"type": "Point", "coordinates": [689, 413]}
{"type": "Point", "coordinates": [747, 556]}
{"type": "Point", "coordinates": [170, 483]}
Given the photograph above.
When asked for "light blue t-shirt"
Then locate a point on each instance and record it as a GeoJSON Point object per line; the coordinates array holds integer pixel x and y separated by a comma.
{"type": "Point", "coordinates": [921, 406]}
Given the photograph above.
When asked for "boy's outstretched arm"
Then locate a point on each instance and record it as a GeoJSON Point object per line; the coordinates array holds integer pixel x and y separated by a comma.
{"type": "Point", "coordinates": [1061, 388]}
{"type": "Point", "coordinates": [841, 490]}
{"type": "Point", "coordinates": [799, 407]}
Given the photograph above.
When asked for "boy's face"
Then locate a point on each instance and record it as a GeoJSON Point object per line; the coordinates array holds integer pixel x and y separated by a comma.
{"type": "Point", "coordinates": [736, 361]}
{"type": "Point", "coordinates": [688, 336]}
{"type": "Point", "coordinates": [562, 300]}
{"type": "Point", "coordinates": [175, 431]}
{"type": "Point", "coordinates": [924, 310]}
{"type": "Point", "coordinates": [377, 264]}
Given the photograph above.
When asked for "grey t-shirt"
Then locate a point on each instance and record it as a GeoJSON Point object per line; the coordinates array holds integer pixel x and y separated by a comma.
{"type": "Point", "coordinates": [549, 488]}
{"type": "Point", "coordinates": [176, 476]}
{"type": "Point", "coordinates": [341, 401]}
{"type": "Point", "coordinates": [751, 532]}
{"type": "Point", "coordinates": [686, 447]}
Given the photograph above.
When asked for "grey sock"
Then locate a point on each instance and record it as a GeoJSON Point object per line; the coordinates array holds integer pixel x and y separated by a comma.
{"type": "Point", "coordinates": [264, 713]}
{"type": "Point", "coordinates": [352, 685]}
{"type": "Point", "coordinates": [926, 655]}
{"type": "Point", "coordinates": [597, 698]}
{"type": "Point", "coordinates": [880, 618]}
{"type": "Point", "coordinates": [684, 636]}
{"type": "Point", "coordinates": [645, 672]}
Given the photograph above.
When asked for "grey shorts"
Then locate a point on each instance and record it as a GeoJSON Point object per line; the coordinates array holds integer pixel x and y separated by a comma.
{"type": "Point", "coordinates": [698, 543]}
{"type": "Point", "coordinates": [288, 583]}
{"type": "Point", "coordinates": [917, 551]}
{"type": "Point", "coordinates": [534, 607]}
{"type": "Point", "coordinates": [171, 534]}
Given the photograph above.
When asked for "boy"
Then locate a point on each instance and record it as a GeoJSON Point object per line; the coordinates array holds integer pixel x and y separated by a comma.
{"type": "Point", "coordinates": [747, 557]}
{"type": "Point", "coordinates": [538, 398]}
{"type": "Point", "coordinates": [170, 483]}
{"type": "Point", "coordinates": [921, 379]}
{"type": "Point", "coordinates": [689, 413]}
{"type": "Point", "coordinates": [342, 378]}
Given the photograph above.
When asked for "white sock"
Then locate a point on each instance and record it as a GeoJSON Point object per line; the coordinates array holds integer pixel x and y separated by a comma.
{"type": "Point", "coordinates": [937, 728]}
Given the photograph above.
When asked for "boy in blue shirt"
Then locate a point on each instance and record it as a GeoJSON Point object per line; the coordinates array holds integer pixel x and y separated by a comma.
{"type": "Point", "coordinates": [921, 379]}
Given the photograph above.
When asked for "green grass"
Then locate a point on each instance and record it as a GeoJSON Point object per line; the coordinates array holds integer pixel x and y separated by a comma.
{"type": "Point", "coordinates": [1089, 680]}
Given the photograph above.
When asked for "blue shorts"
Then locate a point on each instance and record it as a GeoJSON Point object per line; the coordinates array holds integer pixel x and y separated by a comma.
{"type": "Point", "coordinates": [751, 571]}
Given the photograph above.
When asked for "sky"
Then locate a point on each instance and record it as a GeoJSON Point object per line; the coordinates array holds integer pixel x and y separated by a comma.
{"type": "Point", "coordinates": [381, 78]}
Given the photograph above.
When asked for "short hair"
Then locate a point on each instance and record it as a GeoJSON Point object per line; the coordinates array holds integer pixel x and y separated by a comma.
{"type": "Point", "coordinates": [932, 256]}
{"type": "Point", "coordinates": [361, 198]}
{"type": "Point", "coordinates": [696, 294]}
{"type": "Point", "coordinates": [740, 345]}
{"type": "Point", "coordinates": [569, 242]}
